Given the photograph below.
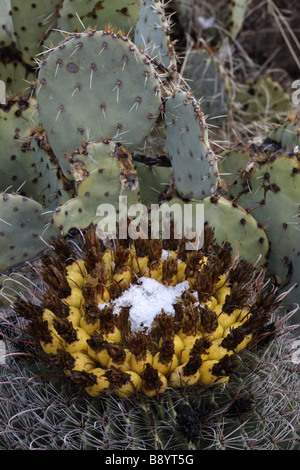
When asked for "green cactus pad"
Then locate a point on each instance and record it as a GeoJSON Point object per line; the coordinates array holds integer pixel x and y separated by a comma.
{"type": "Point", "coordinates": [32, 22]}
{"type": "Point", "coordinates": [287, 134]}
{"type": "Point", "coordinates": [194, 163]}
{"type": "Point", "coordinates": [207, 80]}
{"type": "Point", "coordinates": [22, 224]}
{"type": "Point", "coordinates": [152, 34]}
{"type": "Point", "coordinates": [120, 15]}
{"type": "Point", "coordinates": [54, 188]}
{"type": "Point", "coordinates": [236, 14]}
{"type": "Point", "coordinates": [102, 174]}
{"type": "Point", "coordinates": [96, 86]}
{"type": "Point", "coordinates": [18, 170]}
{"type": "Point", "coordinates": [6, 24]}
{"type": "Point", "coordinates": [263, 99]}
{"type": "Point", "coordinates": [16, 75]}
{"type": "Point", "coordinates": [234, 224]}
{"type": "Point", "coordinates": [153, 181]}
{"type": "Point", "coordinates": [271, 192]}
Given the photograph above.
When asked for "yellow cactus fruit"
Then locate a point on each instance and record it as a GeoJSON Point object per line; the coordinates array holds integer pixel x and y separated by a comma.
{"type": "Point", "coordinates": [165, 360]}
{"type": "Point", "coordinates": [186, 374]}
{"type": "Point", "coordinates": [217, 333]}
{"type": "Point", "coordinates": [215, 371]}
{"type": "Point", "coordinates": [75, 299]}
{"type": "Point", "coordinates": [52, 342]}
{"type": "Point", "coordinates": [89, 325]}
{"type": "Point", "coordinates": [165, 367]}
{"type": "Point", "coordinates": [140, 265]}
{"type": "Point", "coordinates": [74, 337]}
{"type": "Point", "coordinates": [141, 356]}
{"type": "Point", "coordinates": [222, 294]}
{"type": "Point", "coordinates": [154, 382]}
{"type": "Point", "coordinates": [80, 343]}
{"type": "Point", "coordinates": [74, 316]}
{"type": "Point", "coordinates": [178, 344]}
{"type": "Point", "coordinates": [81, 362]}
{"type": "Point", "coordinates": [221, 282]}
{"type": "Point", "coordinates": [110, 330]}
{"type": "Point", "coordinates": [118, 356]}
{"type": "Point", "coordinates": [100, 382]}
{"type": "Point", "coordinates": [75, 279]}
{"type": "Point", "coordinates": [155, 271]}
{"type": "Point", "coordinates": [77, 266]}
{"type": "Point", "coordinates": [245, 338]}
{"type": "Point", "coordinates": [113, 336]}
{"type": "Point", "coordinates": [181, 271]}
{"type": "Point", "coordinates": [132, 386]}
{"type": "Point", "coordinates": [48, 316]}
{"type": "Point", "coordinates": [200, 349]}
{"type": "Point", "coordinates": [123, 279]}
{"type": "Point", "coordinates": [124, 384]}
{"type": "Point", "coordinates": [207, 377]}
{"type": "Point", "coordinates": [227, 319]}
{"type": "Point", "coordinates": [97, 349]}
{"type": "Point", "coordinates": [138, 364]}
{"type": "Point", "coordinates": [216, 350]}
{"type": "Point", "coordinates": [189, 340]}
{"type": "Point", "coordinates": [212, 303]}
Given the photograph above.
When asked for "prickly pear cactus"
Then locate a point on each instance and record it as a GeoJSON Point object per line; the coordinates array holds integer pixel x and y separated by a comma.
{"type": "Point", "coordinates": [105, 75]}
{"type": "Point", "coordinates": [24, 229]}
{"type": "Point", "coordinates": [270, 191]}
{"type": "Point", "coordinates": [236, 14]}
{"type": "Point", "coordinates": [103, 172]}
{"type": "Point", "coordinates": [78, 15]}
{"type": "Point", "coordinates": [206, 77]}
{"type": "Point", "coordinates": [32, 22]}
{"type": "Point", "coordinates": [18, 171]}
{"type": "Point", "coordinates": [261, 99]}
{"type": "Point", "coordinates": [195, 167]}
{"type": "Point", "coordinates": [231, 222]}
{"type": "Point", "coordinates": [152, 34]}
{"type": "Point", "coordinates": [287, 134]}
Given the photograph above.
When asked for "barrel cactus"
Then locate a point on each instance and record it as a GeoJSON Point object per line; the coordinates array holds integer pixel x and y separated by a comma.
{"type": "Point", "coordinates": [204, 330]}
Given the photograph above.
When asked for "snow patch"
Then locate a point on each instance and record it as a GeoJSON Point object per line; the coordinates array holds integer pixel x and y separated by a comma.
{"type": "Point", "coordinates": [146, 301]}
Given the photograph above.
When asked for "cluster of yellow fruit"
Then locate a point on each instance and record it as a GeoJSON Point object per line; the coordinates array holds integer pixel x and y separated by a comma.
{"type": "Point", "coordinates": [197, 343]}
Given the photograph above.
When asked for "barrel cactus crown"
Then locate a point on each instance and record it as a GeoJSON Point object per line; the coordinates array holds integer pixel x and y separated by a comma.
{"type": "Point", "coordinates": [146, 316]}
